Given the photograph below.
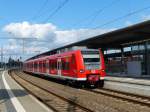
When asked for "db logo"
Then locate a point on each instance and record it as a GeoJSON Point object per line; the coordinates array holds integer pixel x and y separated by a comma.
{"type": "Point", "coordinates": [93, 71]}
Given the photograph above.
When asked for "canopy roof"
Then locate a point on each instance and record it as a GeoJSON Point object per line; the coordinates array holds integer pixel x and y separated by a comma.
{"type": "Point", "coordinates": [113, 39]}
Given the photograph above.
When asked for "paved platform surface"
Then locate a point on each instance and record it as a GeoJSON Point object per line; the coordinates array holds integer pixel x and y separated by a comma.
{"type": "Point", "coordinates": [142, 81]}
{"type": "Point", "coordinates": [13, 98]}
{"type": "Point", "coordinates": [139, 86]}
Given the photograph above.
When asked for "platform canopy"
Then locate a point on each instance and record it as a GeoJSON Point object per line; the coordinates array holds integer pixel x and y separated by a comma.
{"type": "Point", "coordinates": [114, 39]}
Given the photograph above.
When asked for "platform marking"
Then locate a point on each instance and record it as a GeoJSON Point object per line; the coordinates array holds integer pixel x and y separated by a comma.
{"type": "Point", "coordinates": [14, 100]}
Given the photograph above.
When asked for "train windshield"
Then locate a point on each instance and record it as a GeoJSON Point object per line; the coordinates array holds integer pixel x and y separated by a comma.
{"type": "Point", "coordinates": [91, 59]}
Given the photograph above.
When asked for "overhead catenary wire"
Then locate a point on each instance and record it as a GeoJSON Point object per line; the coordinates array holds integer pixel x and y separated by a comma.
{"type": "Point", "coordinates": [35, 39]}
{"type": "Point", "coordinates": [102, 9]}
{"type": "Point", "coordinates": [56, 10]}
{"type": "Point", "coordinates": [122, 17]}
{"type": "Point", "coordinates": [39, 12]}
{"type": "Point", "coordinates": [27, 38]}
{"type": "Point", "coordinates": [95, 14]}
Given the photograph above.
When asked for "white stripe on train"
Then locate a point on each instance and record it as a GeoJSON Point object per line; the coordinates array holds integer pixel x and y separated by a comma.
{"type": "Point", "coordinates": [63, 77]}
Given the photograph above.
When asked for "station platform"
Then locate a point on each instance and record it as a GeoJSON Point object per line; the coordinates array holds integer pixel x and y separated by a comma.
{"type": "Point", "coordinates": [13, 98]}
{"type": "Point", "coordinates": [134, 85]}
{"type": "Point", "coordinates": [132, 80]}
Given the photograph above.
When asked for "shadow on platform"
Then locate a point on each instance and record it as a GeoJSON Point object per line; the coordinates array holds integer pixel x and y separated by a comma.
{"type": "Point", "coordinates": [17, 93]}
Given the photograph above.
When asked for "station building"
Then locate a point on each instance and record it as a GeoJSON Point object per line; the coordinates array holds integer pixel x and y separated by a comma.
{"type": "Point", "coordinates": [132, 60]}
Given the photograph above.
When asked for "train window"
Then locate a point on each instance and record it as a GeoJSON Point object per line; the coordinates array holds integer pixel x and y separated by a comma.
{"type": "Point", "coordinates": [90, 52]}
{"type": "Point", "coordinates": [91, 59]}
{"type": "Point", "coordinates": [63, 65]}
{"type": "Point", "coordinates": [35, 65]}
{"type": "Point", "coordinates": [67, 66]}
{"type": "Point", "coordinates": [44, 65]}
{"type": "Point", "coordinates": [50, 65]}
{"type": "Point", "coordinates": [40, 64]}
{"type": "Point", "coordinates": [59, 66]}
{"type": "Point", "coordinates": [73, 59]}
{"type": "Point", "coordinates": [55, 65]}
{"type": "Point", "coordinates": [47, 65]}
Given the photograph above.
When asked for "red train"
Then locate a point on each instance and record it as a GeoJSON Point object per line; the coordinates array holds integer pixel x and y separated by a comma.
{"type": "Point", "coordinates": [78, 66]}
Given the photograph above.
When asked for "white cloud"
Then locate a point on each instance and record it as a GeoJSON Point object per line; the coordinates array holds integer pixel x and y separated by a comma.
{"type": "Point", "coordinates": [146, 17]}
{"type": "Point", "coordinates": [25, 29]}
{"type": "Point", "coordinates": [128, 23]}
{"type": "Point", "coordinates": [68, 36]}
{"type": "Point", "coordinates": [48, 36]}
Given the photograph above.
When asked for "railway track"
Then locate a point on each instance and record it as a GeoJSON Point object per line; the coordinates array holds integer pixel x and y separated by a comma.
{"type": "Point", "coordinates": [55, 102]}
{"type": "Point", "coordinates": [113, 100]}
{"type": "Point", "coordinates": [145, 101]}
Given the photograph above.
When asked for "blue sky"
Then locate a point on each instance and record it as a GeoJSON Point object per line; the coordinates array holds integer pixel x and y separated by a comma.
{"type": "Point", "coordinates": [72, 13]}
{"type": "Point", "coordinates": [75, 15]}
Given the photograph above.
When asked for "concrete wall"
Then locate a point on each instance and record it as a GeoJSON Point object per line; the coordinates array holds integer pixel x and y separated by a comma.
{"type": "Point", "coordinates": [134, 68]}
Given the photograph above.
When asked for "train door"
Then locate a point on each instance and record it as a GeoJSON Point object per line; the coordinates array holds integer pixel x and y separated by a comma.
{"type": "Point", "coordinates": [44, 67]}
{"type": "Point", "coordinates": [47, 66]}
{"type": "Point", "coordinates": [73, 67]}
{"type": "Point", "coordinates": [38, 69]}
{"type": "Point", "coordinates": [32, 66]}
{"type": "Point", "coordinates": [59, 66]}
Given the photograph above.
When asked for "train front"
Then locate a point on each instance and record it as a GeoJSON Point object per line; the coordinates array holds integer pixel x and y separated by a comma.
{"type": "Point", "coordinates": [94, 66]}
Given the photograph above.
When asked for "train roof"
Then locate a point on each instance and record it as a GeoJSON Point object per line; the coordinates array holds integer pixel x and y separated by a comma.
{"type": "Point", "coordinates": [53, 56]}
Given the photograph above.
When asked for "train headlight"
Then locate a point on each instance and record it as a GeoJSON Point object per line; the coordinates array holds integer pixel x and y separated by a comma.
{"type": "Point", "coordinates": [81, 71]}
{"type": "Point", "coordinates": [103, 70]}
